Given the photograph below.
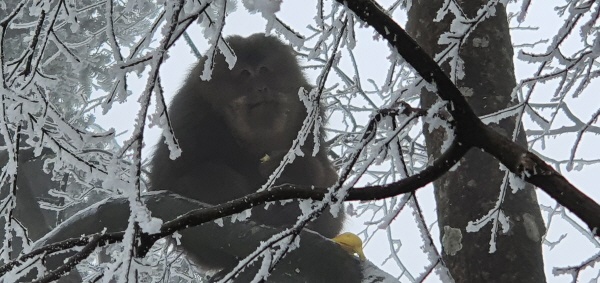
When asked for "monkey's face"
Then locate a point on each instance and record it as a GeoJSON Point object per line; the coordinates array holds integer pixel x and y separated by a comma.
{"type": "Point", "coordinates": [260, 109]}
{"type": "Point", "coordinates": [255, 119]}
{"type": "Point", "coordinates": [261, 101]}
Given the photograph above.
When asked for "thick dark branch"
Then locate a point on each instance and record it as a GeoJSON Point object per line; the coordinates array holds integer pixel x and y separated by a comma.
{"type": "Point", "coordinates": [72, 262]}
{"type": "Point", "coordinates": [537, 172]}
{"type": "Point", "coordinates": [62, 246]}
{"type": "Point", "coordinates": [414, 182]}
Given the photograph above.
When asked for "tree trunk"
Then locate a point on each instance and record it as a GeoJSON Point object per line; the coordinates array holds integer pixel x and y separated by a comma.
{"type": "Point", "coordinates": [471, 191]}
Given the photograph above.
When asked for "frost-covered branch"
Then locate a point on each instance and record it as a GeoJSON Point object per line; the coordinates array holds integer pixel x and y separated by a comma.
{"type": "Point", "coordinates": [470, 131]}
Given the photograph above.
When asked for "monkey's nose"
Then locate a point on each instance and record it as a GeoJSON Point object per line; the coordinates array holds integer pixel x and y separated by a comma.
{"type": "Point", "coordinates": [262, 90]}
{"type": "Point", "coordinates": [259, 94]}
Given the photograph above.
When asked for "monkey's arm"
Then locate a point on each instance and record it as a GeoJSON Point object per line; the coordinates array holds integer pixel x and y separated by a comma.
{"type": "Point", "coordinates": [322, 259]}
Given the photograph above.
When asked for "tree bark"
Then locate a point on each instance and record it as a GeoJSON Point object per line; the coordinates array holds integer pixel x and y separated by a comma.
{"type": "Point", "coordinates": [468, 193]}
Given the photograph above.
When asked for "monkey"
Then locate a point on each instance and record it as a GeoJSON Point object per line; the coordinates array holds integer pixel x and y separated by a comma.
{"type": "Point", "coordinates": [226, 126]}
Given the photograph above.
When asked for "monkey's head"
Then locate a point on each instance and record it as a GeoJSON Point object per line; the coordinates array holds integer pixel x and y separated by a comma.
{"type": "Point", "coordinates": [258, 98]}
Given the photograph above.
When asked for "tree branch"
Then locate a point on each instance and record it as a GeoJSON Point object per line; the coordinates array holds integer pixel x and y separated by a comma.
{"type": "Point", "coordinates": [470, 131]}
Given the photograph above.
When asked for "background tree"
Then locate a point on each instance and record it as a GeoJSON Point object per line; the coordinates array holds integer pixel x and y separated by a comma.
{"type": "Point", "coordinates": [479, 60]}
{"type": "Point", "coordinates": [376, 129]}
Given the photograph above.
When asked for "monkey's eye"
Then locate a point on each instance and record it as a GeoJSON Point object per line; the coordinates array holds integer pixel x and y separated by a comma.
{"type": "Point", "coordinates": [244, 74]}
{"type": "Point", "coordinates": [263, 70]}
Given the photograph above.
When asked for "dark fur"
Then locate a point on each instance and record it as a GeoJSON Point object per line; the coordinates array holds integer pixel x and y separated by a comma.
{"type": "Point", "coordinates": [226, 125]}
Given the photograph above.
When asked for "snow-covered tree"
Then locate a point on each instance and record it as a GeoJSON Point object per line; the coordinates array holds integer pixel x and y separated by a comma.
{"type": "Point", "coordinates": [491, 102]}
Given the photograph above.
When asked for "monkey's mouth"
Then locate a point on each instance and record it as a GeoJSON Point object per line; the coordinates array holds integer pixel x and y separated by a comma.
{"type": "Point", "coordinates": [261, 104]}
{"type": "Point", "coordinates": [257, 110]}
